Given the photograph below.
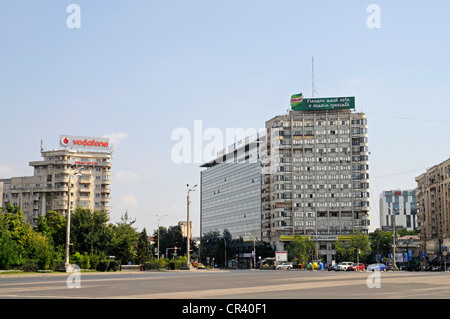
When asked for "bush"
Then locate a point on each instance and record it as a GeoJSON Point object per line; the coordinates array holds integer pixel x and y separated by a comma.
{"type": "Point", "coordinates": [151, 265]}
{"type": "Point", "coordinates": [108, 265]}
{"type": "Point", "coordinates": [83, 261]}
{"type": "Point", "coordinates": [114, 265]}
{"type": "Point", "coordinates": [95, 260]}
{"type": "Point", "coordinates": [30, 265]}
{"type": "Point", "coordinates": [175, 264]}
{"type": "Point", "coordinates": [169, 264]}
{"type": "Point", "coordinates": [103, 265]}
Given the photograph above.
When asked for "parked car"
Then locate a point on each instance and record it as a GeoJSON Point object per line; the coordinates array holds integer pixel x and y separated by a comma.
{"type": "Point", "coordinates": [358, 266]}
{"type": "Point", "coordinates": [200, 265]}
{"type": "Point", "coordinates": [344, 266]}
{"type": "Point", "coordinates": [284, 265]}
{"type": "Point", "coordinates": [377, 267]}
{"type": "Point", "coordinates": [332, 267]}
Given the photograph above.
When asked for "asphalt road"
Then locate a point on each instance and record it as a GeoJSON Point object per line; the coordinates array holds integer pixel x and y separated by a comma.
{"type": "Point", "coordinates": [233, 284]}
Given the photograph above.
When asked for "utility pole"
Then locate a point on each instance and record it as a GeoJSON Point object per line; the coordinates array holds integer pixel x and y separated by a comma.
{"type": "Point", "coordinates": [158, 231]}
{"type": "Point", "coordinates": [393, 239]}
{"type": "Point", "coordinates": [312, 62]}
{"type": "Point", "coordinates": [188, 231]}
{"type": "Point", "coordinates": [67, 264]}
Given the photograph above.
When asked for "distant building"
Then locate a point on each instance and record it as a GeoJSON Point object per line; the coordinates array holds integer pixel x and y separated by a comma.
{"type": "Point", "coordinates": [401, 202]}
{"type": "Point", "coordinates": [182, 225]}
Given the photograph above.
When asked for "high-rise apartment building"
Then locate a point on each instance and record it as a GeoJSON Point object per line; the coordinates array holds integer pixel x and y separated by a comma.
{"type": "Point", "coordinates": [312, 174]}
{"type": "Point", "coordinates": [433, 199]}
{"type": "Point", "coordinates": [75, 175]}
{"type": "Point", "coordinates": [401, 202]}
{"type": "Point", "coordinates": [316, 175]}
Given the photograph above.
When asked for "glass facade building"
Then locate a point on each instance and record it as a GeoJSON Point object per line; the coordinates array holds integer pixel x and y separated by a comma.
{"type": "Point", "coordinates": [401, 202]}
{"type": "Point", "coordinates": [231, 199]}
{"type": "Point", "coordinates": [231, 191]}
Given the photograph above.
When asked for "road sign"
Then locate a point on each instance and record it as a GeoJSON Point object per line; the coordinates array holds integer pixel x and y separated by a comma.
{"type": "Point", "coordinates": [281, 256]}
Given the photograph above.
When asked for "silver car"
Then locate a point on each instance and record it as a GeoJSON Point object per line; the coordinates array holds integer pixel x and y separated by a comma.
{"type": "Point", "coordinates": [344, 266]}
{"type": "Point", "coordinates": [284, 265]}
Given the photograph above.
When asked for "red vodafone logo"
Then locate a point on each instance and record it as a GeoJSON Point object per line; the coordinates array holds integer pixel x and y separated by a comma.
{"type": "Point", "coordinates": [65, 141]}
{"type": "Point", "coordinates": [84, 143]}
{"type": "Point", "coordinates": [87, 142]}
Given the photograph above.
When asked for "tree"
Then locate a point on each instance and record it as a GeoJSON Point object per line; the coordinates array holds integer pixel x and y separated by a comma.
{"type": "Point", "coordinates": [144, 252]}
{"type": "Point", "coordinates": [10, 251]}
{"type": "Point", "coordinates": [90, 231]}
{"type": "Point", "coordinates": [208, 243]}
{"type": "Point", "coordinates": [124, 240]}
{"type": "Point", "coordinates": [169, 238]}
{"type": "Point", "coordinates": [264, 250]}
{"type": "Point", "coordinates": [405, 232]}
{"type": "Point", "coordinates": [358, 244]}
{"type": "Point", "coordinates": [11, 219]}
{"type": "Point", "coordinates": [223, 247]}
{"type": "Point", "coordinates": [299, 249]}
{"type": "Point", "coordinates": [20, 244]}
{"type": "Point", "coordinates": [54, 226]}
{"type": "Point", "coordinates": [381, 244]}
{"type": "Point", "coordinates": [38, 248]}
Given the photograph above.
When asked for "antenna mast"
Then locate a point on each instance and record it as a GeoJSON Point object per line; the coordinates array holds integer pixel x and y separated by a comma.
{"type": "Point", "coordinates": [42, 146]}
{"type": "Point", "coordinates": [312, 62]}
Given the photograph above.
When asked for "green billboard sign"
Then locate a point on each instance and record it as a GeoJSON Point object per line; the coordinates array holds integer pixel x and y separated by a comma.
{"type": "Point", "coordinates": [298, 103]}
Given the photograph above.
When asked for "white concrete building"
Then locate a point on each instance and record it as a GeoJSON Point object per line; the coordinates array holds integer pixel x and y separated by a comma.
{"type": "Point", "coordinates": [316, 177]}
{"type": "Point", "coordinates": [433, 200]}
{"type": "Point", "coordinates": [78, 173]}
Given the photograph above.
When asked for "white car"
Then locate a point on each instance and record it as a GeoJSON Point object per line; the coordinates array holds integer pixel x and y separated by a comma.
{"type": "Point", "coordinates": [284, 265]}
{"type": "Point", "coordinates": [344, 266]}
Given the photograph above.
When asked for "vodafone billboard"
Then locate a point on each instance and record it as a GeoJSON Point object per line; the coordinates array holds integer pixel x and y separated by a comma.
{"type": "Point", "coordinates": [83, 143]}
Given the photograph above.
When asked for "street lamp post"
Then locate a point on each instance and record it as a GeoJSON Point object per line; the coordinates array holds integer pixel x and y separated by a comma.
{"type": "Point", "coordinates": [158, 231]}
{"type": "Point", "coordinates": [188, 230]}
{"type": "Point", "coordinates": [393, 237]}
{"type": "Point", "coordinates": [254, 250]}
{"type": "Point", "coordinates": [67, 264]}
{"type": "Point", "coordinates": [225, 241]}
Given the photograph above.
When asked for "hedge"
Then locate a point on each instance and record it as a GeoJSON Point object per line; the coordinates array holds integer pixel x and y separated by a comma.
{"type": "Point", "coordinates": [108, 265]}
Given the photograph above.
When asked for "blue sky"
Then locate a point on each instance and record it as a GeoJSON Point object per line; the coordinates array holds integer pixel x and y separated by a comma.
{"type": "Point", "coordinates": [139, 70]}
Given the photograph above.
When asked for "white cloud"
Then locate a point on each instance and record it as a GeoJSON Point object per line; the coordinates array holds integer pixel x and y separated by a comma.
{"type": "Point", "coordinates": [5, 171]}
{"type": "Point", "coordinates": [115, 138]}
{"type": "Point", "coordinates": [129, 200]}
{"type": "Point", "coordinates": [127, 176]}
